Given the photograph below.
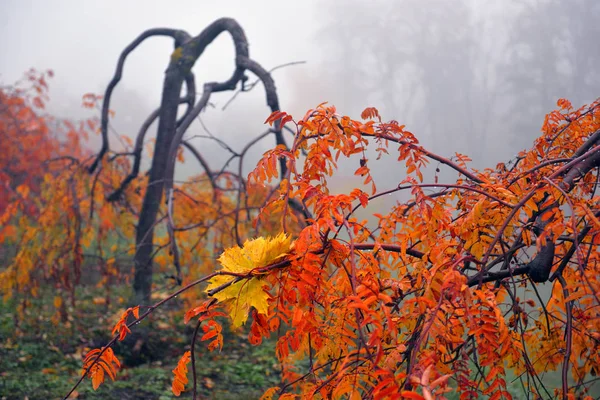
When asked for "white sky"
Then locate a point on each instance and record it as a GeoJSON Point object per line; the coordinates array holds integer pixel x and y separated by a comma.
{"type": "Point", "coordinates": [81, 40]}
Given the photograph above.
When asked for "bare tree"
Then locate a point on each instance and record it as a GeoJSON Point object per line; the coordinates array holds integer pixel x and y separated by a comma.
{"type": "Point", "coordinates": [545, 62]}
{"type": "Point", "coordinates": [171, 130]}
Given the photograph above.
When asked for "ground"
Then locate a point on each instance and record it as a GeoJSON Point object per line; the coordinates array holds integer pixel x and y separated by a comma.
{"type": "Point", "coordinates": [41, 359]}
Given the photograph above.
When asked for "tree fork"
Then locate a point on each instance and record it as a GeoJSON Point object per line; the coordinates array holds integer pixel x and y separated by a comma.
{"type": "Point", "coordinates": [171, 131]}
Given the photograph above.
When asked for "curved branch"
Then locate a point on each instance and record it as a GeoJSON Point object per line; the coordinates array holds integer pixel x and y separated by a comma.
{"type": "Point", "coordinates": [591, 142]}
{"type": "Point", "coordinates": [420, 149]}
{"type": "Point", "coordinates": [202, 162]}
{"type": "Point", "coordinates": [178, 136]}
{"type": "Point", "coordinates": [137, 156]}
{"type": "Point", "coordinates": [272, 102]}
{"type": "Point", "coordinates": [178, 35]}
{"type": "Point", "coordinates": [190, 95]}
{"type": "Point", "coordinates": [589, 161]}
{"type": "Point", "coordinates": [193, 49]}
{"type": "Point", "coordinates": [581, 165]}
{"type": "Point", "coordinates": [251, 86]}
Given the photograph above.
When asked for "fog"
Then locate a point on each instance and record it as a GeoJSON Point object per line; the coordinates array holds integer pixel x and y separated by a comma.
{"type": "Point", "coordinates": [468, 76]}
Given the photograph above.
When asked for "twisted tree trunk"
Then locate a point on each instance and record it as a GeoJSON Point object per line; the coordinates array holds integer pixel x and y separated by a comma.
{"type": "Point", "coordinates": [171, 131]}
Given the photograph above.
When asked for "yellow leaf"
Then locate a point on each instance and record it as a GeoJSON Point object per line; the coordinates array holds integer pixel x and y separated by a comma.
{"type": "Point", "coordinates": [248, 293]}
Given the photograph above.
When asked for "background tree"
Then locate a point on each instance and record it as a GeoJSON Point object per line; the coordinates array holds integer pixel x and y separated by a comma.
{"type": "Point", "coordinates": [473, 76]}
{"type": "Point", "coordinates": [171, 132]}
{"type": "Point", "coordinates": [39, 151]}
{"type": "Point", "coordinates": [567, 53]}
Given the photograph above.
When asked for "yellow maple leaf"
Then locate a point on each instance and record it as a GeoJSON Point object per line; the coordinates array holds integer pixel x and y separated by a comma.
{"type": "Point", "coordinates": [245, 294]}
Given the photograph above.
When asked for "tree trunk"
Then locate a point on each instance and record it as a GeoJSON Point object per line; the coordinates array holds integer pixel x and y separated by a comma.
{"type": "Point", "coordinates": [142, 284]}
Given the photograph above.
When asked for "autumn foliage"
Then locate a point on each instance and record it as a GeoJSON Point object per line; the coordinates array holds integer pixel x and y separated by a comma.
{"type": "Point", "coordinates": [51, 210]}
{"type": "Point", "coordinates": [36, 174]}
{"type": "Point", "coordinates": [29, 138]}
{"type": "Point", "coordinates": [440, 294]}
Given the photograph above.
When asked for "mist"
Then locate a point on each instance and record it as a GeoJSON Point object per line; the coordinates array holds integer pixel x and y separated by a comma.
{"type": "Point", "coordinates": [464, 76]}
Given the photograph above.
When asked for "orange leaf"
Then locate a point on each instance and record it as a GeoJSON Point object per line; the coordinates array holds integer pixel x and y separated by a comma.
{"type": "Point", "coordinates": [269, 393]}
{"type": "Point", "coordinates": [370, 113]}
{"type": "Point", "coordinates": [180, 372]}
{"type": "Point", "coordinates": [97, 367]}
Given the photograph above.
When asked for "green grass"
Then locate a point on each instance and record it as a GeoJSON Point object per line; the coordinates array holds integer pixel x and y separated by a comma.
{"type": "Point", "coordinates": [41, 360]}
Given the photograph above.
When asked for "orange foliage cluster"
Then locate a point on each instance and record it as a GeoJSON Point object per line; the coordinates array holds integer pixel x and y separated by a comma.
{"type": "Point", "coordinates": [25, 139]}
{"type": "Point", "coordinates": [180, 373]}
{"type": "Point", "coordinates": [399, 307]}
{"type": "Point", "coordinates": [51, 209]}
{"type": "Point", "coordinates": [30, 139]}
{"type": "Point", "coordinates": [36, 149]}
{"type": "Point", "coordinates": [98, 363]}
{"type": "Point", "coordinates": [390, 317]}
{"type": "Point", "coordinates": [121, 326]}
{"type": "Point", "coordinates": [438, 295]}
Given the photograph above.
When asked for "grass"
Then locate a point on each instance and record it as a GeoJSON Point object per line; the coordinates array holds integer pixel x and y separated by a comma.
{"type": "Point", "coordinates": [42, 360]}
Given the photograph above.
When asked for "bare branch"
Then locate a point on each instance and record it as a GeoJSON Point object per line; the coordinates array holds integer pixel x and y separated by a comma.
{"type": "Point", "coordinates": [178, 35]}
